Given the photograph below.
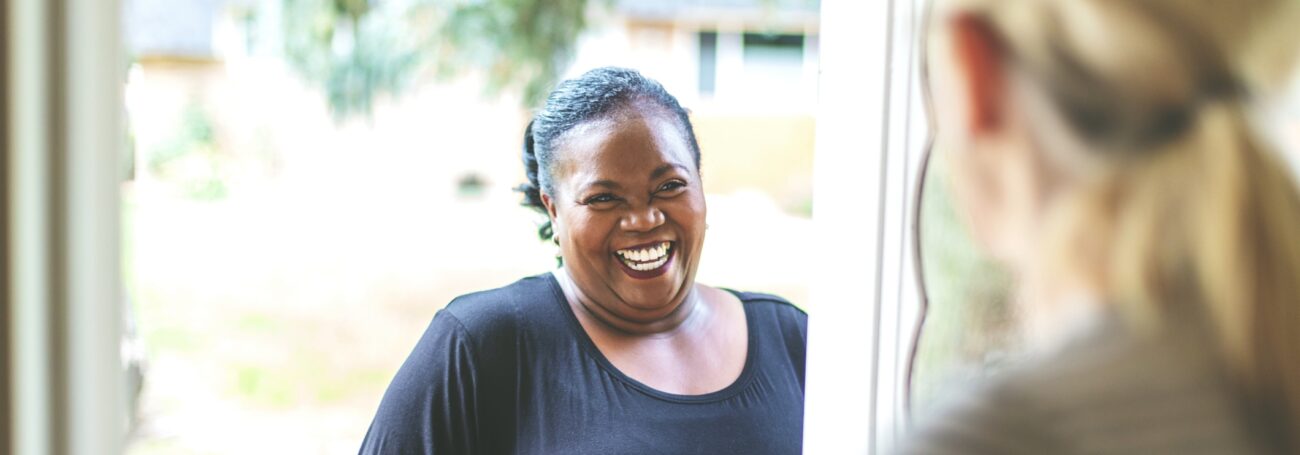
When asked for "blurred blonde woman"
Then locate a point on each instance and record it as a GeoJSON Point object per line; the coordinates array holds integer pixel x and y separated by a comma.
{"type": "Point", "coordinates": [1105, 151]}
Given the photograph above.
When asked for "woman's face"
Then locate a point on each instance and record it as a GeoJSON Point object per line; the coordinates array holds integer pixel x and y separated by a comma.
{"type": "Point", "coordinates": [629, 213]}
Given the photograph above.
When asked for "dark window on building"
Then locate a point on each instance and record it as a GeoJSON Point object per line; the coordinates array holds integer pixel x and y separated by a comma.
{"type": "Point", "coordinates": [708, 62]}
{"type": "Point", "coordinates": [772, 62]}
{"type": "Point", "coordinates": [765, 41]}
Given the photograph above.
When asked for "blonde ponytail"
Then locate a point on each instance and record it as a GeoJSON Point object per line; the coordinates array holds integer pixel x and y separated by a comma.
{"type": "Point", "coordinates": [1247, 260]}
{"type": "Point", "coordinates": [1207, 226]}
{"type": "Point", "coordinates": [1210, 226]}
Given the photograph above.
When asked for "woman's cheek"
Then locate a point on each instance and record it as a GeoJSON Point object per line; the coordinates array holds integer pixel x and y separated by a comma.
{"type": "Point", "coordinates": [681, 211]}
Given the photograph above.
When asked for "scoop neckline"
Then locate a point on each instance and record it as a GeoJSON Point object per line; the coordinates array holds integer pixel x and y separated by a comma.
{"type": "Point", "coordinates": [584, 339]}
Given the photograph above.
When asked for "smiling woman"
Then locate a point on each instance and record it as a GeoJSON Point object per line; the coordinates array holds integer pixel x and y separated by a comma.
{"type": "Point", "coordinates": [626, 186]}
{"type": "Point", "coordinates": [619, 350]}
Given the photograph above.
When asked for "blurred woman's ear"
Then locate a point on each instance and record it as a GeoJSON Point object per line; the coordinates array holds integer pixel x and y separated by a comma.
{"type": "Point", "coordinates": [995, 181]}
{"type": "Point", "coordinates": [978, 52]}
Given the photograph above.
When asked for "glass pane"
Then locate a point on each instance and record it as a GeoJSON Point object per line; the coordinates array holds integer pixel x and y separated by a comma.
{"type": "Point", "coordinates": [312, 180]}
{"type": "Point", "coordinates": [968, 331]}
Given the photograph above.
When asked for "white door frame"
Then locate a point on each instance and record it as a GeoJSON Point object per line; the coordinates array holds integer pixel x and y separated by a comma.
{"type": "Point", "coordinates": [62, 287]}
{"type": "Point", "coordinates": [871, 135]}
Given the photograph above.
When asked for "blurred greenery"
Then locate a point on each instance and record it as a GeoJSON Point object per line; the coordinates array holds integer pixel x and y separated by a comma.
{"type": "Point", "coordinates": [359, 50]}
{"type": "Point", "coordinates": [279, 385]}
{"type": "Point", "coordinates": [969, 326]}
{"type": "Point", "coordinates": [191, 158]}
{"type": "Point", "coordinates": [171, 339]}
{"type": "Point", "coordinates": [264, 385]}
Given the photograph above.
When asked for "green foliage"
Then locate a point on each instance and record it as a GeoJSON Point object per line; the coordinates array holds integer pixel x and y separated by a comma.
{"type": "Point", "coordinates": [352, 51]}
{"type": "Point", "coordinates": [195, 132]}
{"type": "Point", "coordinates": [356, 51]}
{"type": "Point", "coordinates": [190, 159]}
{"type": "Point", "coordinates": [522, 44]}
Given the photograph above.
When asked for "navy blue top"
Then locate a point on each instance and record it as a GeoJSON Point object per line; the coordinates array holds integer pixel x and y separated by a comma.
{"type": "Point", "coordinates": [511, 371]}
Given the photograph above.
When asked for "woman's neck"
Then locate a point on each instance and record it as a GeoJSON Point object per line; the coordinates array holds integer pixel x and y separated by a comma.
{"type": "Point", "coordinates": [689, 313]}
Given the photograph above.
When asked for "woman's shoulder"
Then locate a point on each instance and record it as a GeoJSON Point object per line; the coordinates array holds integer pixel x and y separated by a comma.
{"type": "Point", "coordinates": [1165, 385]}
{"type": "Point", "coordinates": [765, 299]}
{"type": "Point", "coordinates": [497, 311]}
{"type": "Point", "coordinates": [987, 417]}
{"type": "Point", "coordinates": [770, 313]}
{"type": "Point", "coordinates": [760, 304]}
{"type": "Point", "coordinates": [460, 373]}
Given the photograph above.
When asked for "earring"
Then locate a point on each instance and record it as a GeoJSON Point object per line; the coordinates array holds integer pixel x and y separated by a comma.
{"type": "Point", "coordinates": [559, 256]}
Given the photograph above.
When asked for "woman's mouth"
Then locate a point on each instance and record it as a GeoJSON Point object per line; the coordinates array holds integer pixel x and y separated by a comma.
{"type": "Point", "coordinates": [646, 261]}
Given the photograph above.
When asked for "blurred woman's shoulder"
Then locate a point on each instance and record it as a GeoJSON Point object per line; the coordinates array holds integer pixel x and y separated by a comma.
{"type": "Point", "coordinates": [1106, 391]}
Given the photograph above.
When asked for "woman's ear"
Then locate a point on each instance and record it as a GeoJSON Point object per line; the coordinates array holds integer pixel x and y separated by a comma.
{"type": "Point", "coordinates": [550, 206]}
{"type": "Point", "coordinates": [979, 54]}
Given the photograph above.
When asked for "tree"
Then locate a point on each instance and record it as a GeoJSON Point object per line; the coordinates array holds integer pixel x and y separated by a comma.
{"type": "Point", "coordinates": [356, 51]}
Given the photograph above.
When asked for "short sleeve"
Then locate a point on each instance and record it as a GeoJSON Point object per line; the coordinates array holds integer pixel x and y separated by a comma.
{"type": "Point", "coordinates": [431, 406]}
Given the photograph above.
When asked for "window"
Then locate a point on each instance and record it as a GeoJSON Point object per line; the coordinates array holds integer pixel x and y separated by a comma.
{"type": "Point", "coordinates": [708, 62]}
{"type": "Point", "coordinates": [745, 71]}
{"type": "Point", "coordinates": [772, 60]}
{"type": "Point", "coordinates": [269, 236]}
{"type": "Point", "coordinates": [968, 321]}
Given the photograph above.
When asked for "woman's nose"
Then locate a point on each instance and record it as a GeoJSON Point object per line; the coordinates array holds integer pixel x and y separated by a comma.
{"type": "Point", "coordinates": [642, 219]}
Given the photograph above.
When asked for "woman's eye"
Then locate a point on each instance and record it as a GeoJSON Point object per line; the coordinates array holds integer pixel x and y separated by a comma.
{"type": "Point", "coordinates": [671, 186]}
{"type": "Point", "coordinates": [600, 198]}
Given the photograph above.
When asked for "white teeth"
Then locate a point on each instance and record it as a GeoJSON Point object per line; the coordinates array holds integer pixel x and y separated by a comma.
{"type": "Point", "coordinates": [637, 259]}
{"type": "Point", "coordinates": [649, 265]}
